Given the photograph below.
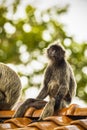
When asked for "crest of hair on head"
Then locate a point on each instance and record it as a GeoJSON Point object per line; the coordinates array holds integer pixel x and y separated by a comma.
{"type": "Point", "coordinates": [57, 42]}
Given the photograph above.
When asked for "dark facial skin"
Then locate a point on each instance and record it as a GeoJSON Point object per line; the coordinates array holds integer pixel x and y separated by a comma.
{"type": "Point", "coordinates": [55, 52]}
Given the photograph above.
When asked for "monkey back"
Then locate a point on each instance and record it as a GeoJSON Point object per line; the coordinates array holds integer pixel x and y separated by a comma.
{"type": "Point", "coordinates": [10, 87]}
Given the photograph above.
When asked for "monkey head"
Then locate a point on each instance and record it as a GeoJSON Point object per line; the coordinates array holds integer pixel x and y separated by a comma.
{"type": "Point", "coordinates": [55, 52]}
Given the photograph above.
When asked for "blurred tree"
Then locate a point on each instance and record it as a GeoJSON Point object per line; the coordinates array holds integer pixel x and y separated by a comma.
{"type": "Point", "coordinates": [23, 39]}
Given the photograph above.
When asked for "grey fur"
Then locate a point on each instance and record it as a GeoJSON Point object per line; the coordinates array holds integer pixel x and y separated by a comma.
{"type": "Point", "coordinates": [10, 87]}
{"type": "Point", "coordinates": [59, 83]}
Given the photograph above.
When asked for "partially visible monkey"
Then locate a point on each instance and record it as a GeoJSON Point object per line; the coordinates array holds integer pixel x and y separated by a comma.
{"type": "Point", "coordinates": [10, 87]}
{"type": "Point", "coordinates": [59, 83]}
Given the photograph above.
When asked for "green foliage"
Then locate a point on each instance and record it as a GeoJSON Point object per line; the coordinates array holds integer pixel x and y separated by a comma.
{"type": "Point", "coordinates": [23, 40]}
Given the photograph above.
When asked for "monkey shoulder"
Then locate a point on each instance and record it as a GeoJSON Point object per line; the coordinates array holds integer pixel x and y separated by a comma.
{"type": "Point", "coordinates": [8, 76]}
{"type": "Point", "coordinates": [9, 79]}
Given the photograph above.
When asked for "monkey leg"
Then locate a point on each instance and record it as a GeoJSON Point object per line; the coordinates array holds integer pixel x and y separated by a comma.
{"type": "Point", "coordinates": [48, 109]}
{"type": "Point", "coordinates": [59, 104]}
{"type": "Point", "coordinates": [29, 103]}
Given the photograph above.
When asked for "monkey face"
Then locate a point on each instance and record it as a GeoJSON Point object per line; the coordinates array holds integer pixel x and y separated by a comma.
{"type": "Point", "coordinates": [55, 52]}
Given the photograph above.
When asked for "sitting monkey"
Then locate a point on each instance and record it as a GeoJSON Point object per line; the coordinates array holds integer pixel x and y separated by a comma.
{"type": "Point", "coordinates": [59, 83]}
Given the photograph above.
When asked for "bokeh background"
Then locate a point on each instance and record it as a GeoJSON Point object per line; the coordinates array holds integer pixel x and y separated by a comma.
{"type": "Point", "coordinates": [27, 27]}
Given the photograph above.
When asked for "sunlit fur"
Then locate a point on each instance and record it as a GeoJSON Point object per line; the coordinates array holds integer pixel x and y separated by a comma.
{"type": "Point", "coordinates": [59, 84]}
{"type": "Point", "coordinates": [10, 87]}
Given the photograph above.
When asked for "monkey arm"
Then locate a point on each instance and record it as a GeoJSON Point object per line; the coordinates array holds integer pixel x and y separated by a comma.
{"type": "Point", "coordinates": [72, 85]}
{"type": "Point", "coordinates": [72, 89]}
{"type": "Point", "coordinates": [44, 92]}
